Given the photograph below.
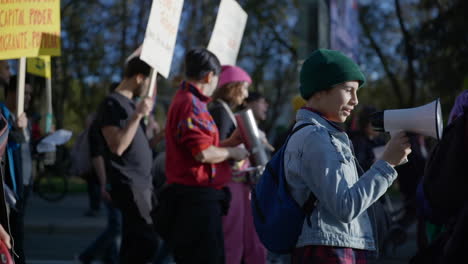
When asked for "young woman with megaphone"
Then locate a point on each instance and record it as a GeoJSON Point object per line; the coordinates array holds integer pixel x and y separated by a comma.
{"type": "Point", "coordinates": [319, 159]}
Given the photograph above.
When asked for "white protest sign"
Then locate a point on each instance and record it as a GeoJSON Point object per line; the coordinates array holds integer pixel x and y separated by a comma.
{"type": "Point", "coordinates": [228, 31]}
{"type": "Point", "coordinates": [161, 34]}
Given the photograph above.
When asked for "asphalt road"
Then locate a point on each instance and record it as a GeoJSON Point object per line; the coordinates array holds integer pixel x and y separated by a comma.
{"type": "Point", "coordinates": [57, 232]}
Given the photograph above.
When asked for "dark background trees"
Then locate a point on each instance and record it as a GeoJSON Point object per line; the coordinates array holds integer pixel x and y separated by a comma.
{"type": "Point", "coordinates": [412, 51]}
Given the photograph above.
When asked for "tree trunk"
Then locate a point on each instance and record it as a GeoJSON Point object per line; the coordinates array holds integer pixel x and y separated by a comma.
{"type": "Point", "coordinates": [391, 76]}
{"type": "Point", "coordinates": [409, 50]}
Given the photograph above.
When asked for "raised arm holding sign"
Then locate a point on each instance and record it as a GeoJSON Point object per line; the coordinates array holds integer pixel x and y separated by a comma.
{"type": "Point", "coordinates": [160, 39]}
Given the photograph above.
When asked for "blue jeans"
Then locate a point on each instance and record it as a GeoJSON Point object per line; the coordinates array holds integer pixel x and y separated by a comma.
{"type": "Point", "coordinates": [105, 244]}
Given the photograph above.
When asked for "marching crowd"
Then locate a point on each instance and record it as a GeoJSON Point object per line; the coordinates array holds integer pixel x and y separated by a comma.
{"type": "Point", "coordinates": [192, 200]}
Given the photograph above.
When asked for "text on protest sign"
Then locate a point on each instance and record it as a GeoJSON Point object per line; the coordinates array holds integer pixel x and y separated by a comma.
{"type": "Point", "coordinates": [29, 28]}
{"type": "Point", "coordinates": [227, 34]}
{"type": "Point", "coordinates": [161, 34]}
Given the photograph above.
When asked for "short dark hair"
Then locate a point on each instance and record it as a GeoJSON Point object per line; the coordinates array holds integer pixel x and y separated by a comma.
{"type": "Point", "coordinates": [136, 66]}
{"type": "Point", "coordinates": [364, 118]}
{"type": "Point", "coordinates": [12, 85]}
{"type": "Point", "coordinates": [113, 86]}
{"type": "Point", "coordinates": [254, 96]}
{"type": "Point", "coordinates": [199, 62]}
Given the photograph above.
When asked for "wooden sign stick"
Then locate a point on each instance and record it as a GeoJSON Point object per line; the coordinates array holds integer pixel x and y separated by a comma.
{"type": "Point", "coordinates": [49, 114]}
{"type": "Point", "coordinates": [152, 89]}
{"type": "Point", "coordinates": [20, 91]}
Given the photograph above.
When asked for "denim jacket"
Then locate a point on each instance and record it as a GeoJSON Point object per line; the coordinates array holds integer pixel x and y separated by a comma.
{"type": "Point", "coordinates": [319, 158]}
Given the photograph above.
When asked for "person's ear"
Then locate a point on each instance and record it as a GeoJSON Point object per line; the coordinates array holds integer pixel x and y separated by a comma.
{"type": "Point", "coordinates": [140, 78]}
{"type": "Point", "coordinates": [208, 77]}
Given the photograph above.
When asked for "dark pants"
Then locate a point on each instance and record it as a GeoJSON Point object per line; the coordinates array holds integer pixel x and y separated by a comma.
{"type": "Point", "coordinates": [139, 240]}
{"type": "Point", "coordinates": [195, 220]}
{"type": "Point", "coordinates": [163, 255]}
{"type": "Point", "coordinates": [199, 238]}
{"type": "Point", "coordinates": [17, 223]}
{"type": "Point", "coordinates": [94, 192]}
{"type": "Point", "coordinates": [17, 232]}
{"type": "Point", "coordinates": [105, 244]}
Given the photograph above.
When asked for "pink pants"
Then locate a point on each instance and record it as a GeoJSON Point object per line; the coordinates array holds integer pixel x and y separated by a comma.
{"type": "Point", "coordinates": [240, 238]}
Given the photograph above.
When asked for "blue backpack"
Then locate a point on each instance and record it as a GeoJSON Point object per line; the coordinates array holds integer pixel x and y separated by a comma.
{"type": "Point", "coordinates": [278, 218]}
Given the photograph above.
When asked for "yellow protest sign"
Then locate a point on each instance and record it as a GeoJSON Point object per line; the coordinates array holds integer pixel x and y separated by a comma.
{"type": "Point", "coordinates": [29, 28]}
{"type": "Point", "coordinates": [39, 66]}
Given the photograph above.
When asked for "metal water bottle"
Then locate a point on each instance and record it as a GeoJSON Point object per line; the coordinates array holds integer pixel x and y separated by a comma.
{"type": "Point", "coordinates": [251, 138]}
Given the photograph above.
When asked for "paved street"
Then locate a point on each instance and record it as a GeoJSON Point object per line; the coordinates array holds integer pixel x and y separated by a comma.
{"type": "Point", "coordinates": [56, 232]}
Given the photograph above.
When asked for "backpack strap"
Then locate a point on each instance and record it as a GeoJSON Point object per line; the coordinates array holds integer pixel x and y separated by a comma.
{"type": "Point", "coordinates": [310, 203]}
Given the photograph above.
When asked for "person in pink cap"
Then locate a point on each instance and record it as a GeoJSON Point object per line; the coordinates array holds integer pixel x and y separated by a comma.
{"type": "Point", "coordinates": [241, 242]}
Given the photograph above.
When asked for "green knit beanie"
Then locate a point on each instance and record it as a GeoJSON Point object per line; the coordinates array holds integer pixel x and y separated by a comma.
{"type": "Point", "coordinates": [326, 68]}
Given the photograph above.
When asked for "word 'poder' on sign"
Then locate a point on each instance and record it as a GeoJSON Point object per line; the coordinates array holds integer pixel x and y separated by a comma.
{"type": "Point", "coordinates": [16, 17]}
{"type": "Point", "coordinates": [26, 1]}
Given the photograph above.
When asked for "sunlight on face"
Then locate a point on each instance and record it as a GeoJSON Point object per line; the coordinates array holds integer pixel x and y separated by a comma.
{"type": "Point", "coordinates": [337, 103]}
{"type": "Point", "coordinates": [143, 86]}
{"type": "Point", "coordinates": [244, 93]}
{"type": "Point", "coordinates": [259, 108]}
{"type": "Point", "coordinates": [211, 86]}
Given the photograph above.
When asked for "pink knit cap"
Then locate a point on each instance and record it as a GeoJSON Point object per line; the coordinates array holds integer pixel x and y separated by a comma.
{"type": "Point", "coordinates": [231, 73]}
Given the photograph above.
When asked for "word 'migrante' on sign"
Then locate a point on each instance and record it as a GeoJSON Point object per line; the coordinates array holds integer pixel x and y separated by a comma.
{"type": "Point", "coordinates": [29, 28]}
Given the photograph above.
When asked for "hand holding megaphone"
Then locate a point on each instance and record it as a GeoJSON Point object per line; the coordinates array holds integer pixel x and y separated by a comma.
{"type": "Point", "coordinates": [397, 149]}
{"type": "Point", "coordinates": [423, 120]}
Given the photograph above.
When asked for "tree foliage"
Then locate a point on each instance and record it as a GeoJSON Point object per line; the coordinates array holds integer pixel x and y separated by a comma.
{"type": "Point", "coordinates": [417, 50]}
{"type": "Point", "coordinates": [412, 51]}
{"type": "Point", "coordinates": [98, 35]}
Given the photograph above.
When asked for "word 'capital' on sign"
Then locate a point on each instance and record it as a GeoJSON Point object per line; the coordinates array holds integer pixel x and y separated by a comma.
{"type": "Point", "coordinates": [29, 28]}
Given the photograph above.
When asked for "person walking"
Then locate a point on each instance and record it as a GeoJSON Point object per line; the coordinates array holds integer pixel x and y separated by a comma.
{"type": "Point", "coordinates": [106, 244]}
{"type": "Point", "coordinates": [196, 167]}
{"type": "Point", "coordinates": [241, 242]}
{"type": "Point", "coordinates": [120, 121]}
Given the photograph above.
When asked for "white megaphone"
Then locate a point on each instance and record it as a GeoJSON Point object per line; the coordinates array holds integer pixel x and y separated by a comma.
{"type": "Point", "coordinates": [424, 120]}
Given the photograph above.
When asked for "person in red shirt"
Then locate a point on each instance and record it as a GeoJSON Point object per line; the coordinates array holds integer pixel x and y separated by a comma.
{"type": "Point", "coordinates": [196, 166]}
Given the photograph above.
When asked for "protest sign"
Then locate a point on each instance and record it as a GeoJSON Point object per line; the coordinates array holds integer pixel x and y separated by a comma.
{"type": "Point", "coordinates": [161, 34]}
{"type": "Point", "coordinates": [39, 66]}
{"type": "Point", "coordinates": [228, 31]}
{"type": "Point", "coordinates": [29, 28]}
